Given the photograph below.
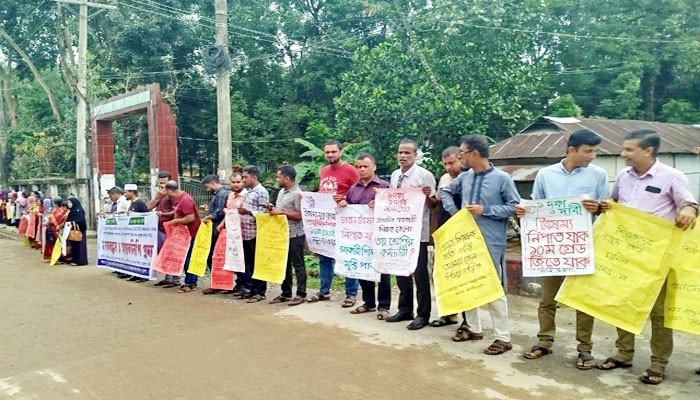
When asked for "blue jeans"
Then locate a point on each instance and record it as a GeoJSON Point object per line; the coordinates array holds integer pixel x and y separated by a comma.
{"type": "Point", "coordinates": [325, 266]}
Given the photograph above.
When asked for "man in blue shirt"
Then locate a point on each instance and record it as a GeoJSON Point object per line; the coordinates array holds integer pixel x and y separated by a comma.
{"type": "Point", "coordinates": [572, 176]}
{"type": "Point", "coordinates": [489, 194]}
{"type": "Point", "coordinates": [215, 213]}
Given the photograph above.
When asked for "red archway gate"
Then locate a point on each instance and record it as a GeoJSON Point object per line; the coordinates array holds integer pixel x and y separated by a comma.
{"type": "Point", "coordinates": [162, 136]}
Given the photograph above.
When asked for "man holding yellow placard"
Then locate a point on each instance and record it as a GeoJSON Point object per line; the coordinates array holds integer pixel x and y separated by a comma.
{"type": "Point", "coordinates": [658, 189]}
{"type": "Point", "coordinates": [489, 194]}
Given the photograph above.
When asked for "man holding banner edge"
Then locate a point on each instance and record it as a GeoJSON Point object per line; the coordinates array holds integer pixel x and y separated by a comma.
{"type": "Point", "coordinates": [650, 186]}
{"type": "Point", "coordinates": [572, 176]}
{"type": "Point", "coordinates": [412, 175]}
{"type": "Point", "coordinates": [490, 195]}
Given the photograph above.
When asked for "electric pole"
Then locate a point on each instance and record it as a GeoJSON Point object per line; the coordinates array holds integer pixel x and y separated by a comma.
{"type": "Point", "coordinates": [223, 96]}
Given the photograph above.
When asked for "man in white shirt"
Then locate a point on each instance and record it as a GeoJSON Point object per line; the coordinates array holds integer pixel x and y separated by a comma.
{"type": "Point", "coordinates": [410, 175]}
{"type": "Point", "coordinates": [120, 205]}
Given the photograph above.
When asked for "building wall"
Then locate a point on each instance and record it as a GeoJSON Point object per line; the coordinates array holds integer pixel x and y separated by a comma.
{"type": "Point", "coordinates": [688, 163]}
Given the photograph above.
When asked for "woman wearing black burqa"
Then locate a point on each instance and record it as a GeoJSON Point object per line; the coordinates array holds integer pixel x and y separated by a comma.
{"type": "Point", "coordinates": [76, 215]}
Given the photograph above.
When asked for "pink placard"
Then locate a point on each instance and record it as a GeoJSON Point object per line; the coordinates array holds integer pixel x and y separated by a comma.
{"type": "Point", "coordinates": [171, 258]}
{"type": "Point", "coordinates": [220, 278]}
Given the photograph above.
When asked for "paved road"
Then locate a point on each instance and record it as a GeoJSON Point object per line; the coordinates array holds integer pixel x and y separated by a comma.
{"type": "Point", "coordinates": [80, 333]}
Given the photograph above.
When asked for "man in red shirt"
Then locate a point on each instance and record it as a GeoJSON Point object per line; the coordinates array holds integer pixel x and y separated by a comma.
{"type": "Point", "coordinates": [164, 210]}
{"type": "Point", "coordinates": [335, 178]}
{"type": "Point", "coordinates": [185, 214]}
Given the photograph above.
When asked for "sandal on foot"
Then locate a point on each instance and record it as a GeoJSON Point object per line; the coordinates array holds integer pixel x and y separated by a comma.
{"type": "Point", "coordinates": [348, 302]}
{"type": "Point", "coordinates": [255, 298]}
{"type": "Point", "coordinates": [186, 289]}
{"type": "Point", "coordinates": [611, 363]}
{"type": "Point", "coordinates": [296, 301]}
{"type": "Point", "coordinates": [463, 334]}
{"type": "Point", "coordinates": [498, 347]}
{"type": "Point", "coordinates": [362, 309]}
{"type": "Point", "coordinates": [280, 299]}
{"type": "Point", "coordinates": [161, 283]}
{"type": "Point", "coordinates": [319, 297]}
{"type": "Point", "coordinates": [443, 321]}
{"type": "Point", "coordinates": [537, 351]}
{"type": "Point", "coordinates": [652, 377]}
{"type": "Point", "coordinates": [170, 285]}
{"type": "Point", "coordinates": [383, 314]}
{"type": "Point", "coordinates": [585, 360]}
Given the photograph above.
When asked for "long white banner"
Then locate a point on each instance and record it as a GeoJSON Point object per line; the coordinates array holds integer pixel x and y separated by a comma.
{"type": "Point", "coordinates": [128, 243]}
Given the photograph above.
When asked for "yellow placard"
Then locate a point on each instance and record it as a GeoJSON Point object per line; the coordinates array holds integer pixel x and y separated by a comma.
{"type": "Point", "coordinates": [271, 247]}
{"type": "Point", "coordinates": [683, 286]}
{"type": "Point", "coordinates": [200, 249]}
{"type": "Point", "coordinates": [632, 260]}
{"type": "Point", "coordinates": [464, 274]}
{"type": "Point", "coordinates": [56, 252]}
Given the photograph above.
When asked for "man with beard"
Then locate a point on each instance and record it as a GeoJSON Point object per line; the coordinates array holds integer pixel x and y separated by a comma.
{"type": "Point", "coordinates": [411, 175]}
{"type": "Point", "coordinates": [335, 178]}
{"type": "Point", "coordinates": [136, 205]}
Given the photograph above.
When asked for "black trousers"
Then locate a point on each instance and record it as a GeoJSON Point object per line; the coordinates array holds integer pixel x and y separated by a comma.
{"type": "Point", "coordinates": [214, 239]}
{"type": "Point", "coordinates": [254, 285]}
{"type": "Point", "coordinates": [383, 294]}
{"type": "Point", "coordinates": [422, 279]}
{"type": "Point", "coordinates": [295, 264]}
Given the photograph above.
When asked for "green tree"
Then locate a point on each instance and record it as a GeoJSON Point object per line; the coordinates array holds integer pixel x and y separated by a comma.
{"type": "Point", "coordinates": [564, 106]}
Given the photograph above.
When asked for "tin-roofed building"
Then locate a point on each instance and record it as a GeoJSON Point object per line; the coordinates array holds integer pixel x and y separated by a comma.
{"type": "Point", "coordinates": [544, 143]}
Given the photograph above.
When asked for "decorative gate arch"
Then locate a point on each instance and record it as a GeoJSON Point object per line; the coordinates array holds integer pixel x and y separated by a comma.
{"type": "Point", "coordinates": [162, 136]}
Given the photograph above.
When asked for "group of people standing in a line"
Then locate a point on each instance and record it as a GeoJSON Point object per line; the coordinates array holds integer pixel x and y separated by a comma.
{"type": "Point", "coordinates": [471, 182]}
{"type": "Point", "coordinates": [40, 221]}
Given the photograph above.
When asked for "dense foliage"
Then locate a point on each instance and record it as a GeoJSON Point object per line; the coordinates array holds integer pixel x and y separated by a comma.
{"type": "Point", "coordinates": [352, 70]}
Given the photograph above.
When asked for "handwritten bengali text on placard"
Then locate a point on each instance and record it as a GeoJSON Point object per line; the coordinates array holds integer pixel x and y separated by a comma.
{"type": "Point", "coordinates": [354, 244]}
{"type": "Point", "coordinates": [556, 238]}
{"type": "Point", "coordinates": [397, 230]}
{"type": "Point", "coordinates": [464, 274]}
{"type": "Point", "coordinates": [319, 214]}
{"type": "Point", "coordinates": [631, 267]}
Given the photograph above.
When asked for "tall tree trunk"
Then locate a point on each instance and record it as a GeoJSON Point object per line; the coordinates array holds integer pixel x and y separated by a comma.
{"type": "Point", "coordinates": [37, 76]}
{"type": "Point", "coordinates": [10, 101]}
{"type": "Point", "coordinates": [648, 87]}
{"type": "Point", "coordinates": [3, 145]}
{"type": "Point", "coordinates": [134, 150]}
{"type": "Point", "coordinates": [66, 56]}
